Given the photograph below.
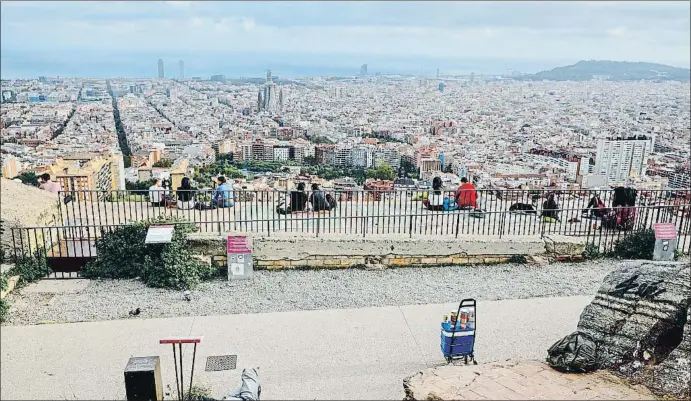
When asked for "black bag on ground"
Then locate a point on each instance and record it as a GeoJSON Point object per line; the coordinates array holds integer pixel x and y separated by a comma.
{"type": "Point", "coordinates": [575, 353]}
{"type": "Point", "coordinates": [281, 208]}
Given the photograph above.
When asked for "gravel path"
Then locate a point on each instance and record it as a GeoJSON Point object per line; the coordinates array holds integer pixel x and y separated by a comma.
{"type": "Point", "coordinates": [311, 289]}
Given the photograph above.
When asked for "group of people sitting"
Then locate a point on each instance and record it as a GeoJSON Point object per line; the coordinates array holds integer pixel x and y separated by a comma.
{"type": "Point", "coordinates": [300, 201]}
{"type": "Point", "coordinates": [186, 196]}
{"type": "Point", "coordinates": [621, 216]}
{"type": "Point", "coordinates": [465, 197]}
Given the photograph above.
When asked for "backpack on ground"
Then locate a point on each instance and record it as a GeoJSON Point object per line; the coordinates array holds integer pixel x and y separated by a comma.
{"type": "Point", "coordinates": [281, 208]}
{"type": "Point", "coordinates": [575, 353]}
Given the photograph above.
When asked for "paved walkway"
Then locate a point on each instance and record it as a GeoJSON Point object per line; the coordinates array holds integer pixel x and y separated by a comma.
{"type": "Point", "coordinates": [327, 354]}
{"type": "Point", "coordinates": [532, 380]}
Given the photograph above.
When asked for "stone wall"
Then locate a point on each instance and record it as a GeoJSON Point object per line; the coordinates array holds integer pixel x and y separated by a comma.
{"type": "Point", "coordinates": [342, 251]}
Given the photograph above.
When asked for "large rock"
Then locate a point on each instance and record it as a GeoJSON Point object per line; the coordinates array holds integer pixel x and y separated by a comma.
{"type": "Point", "coordinates": [638, 318]}
{"type": "Point", "coordinates": [25, 206]}
{"type": "Point", "coordinates": [673, 375]}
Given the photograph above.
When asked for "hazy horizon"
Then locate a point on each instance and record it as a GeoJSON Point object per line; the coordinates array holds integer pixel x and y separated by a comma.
{"type": "Point", "coordinates": [126, 39]}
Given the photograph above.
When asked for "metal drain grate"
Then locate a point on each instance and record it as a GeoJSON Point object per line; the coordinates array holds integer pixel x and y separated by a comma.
{"type": "Point", "coordinates": [221, 362]}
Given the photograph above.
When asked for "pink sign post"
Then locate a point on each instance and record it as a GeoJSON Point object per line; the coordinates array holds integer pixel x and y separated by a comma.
{"type": "Point", "coordinates": [665, 241]}
{"type": "Point", "coordinates": [240, 264]}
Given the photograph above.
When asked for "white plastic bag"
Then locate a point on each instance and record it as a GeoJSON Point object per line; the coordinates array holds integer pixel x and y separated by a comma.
{"type": "Point", "coordinates": [250, 390]}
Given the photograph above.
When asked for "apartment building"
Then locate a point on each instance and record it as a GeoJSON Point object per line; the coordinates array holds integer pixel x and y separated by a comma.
{"type": "Point", "coordinates": [429, 167]}
{"type": "Point", "coordinates": [11, 166]}
{"type": "Point", "coordinates": [325, 154]}
{"type": "Point", "coordinates": [342, 156]}
{"type": "Point", "coordinates": [620, 159]}
{"type": "Point", "coordinates": [680, 180]}
{"type": "Point", "coordinates": [389, 156]}
{"type": "Point", "coordinates": [89, 172]}
{"type": "Point", "coordinates": [571, 167]}
{"type": "Point", "coordinates": [362, 157]}
{"type": "Point", "coordinates": [283, 153]}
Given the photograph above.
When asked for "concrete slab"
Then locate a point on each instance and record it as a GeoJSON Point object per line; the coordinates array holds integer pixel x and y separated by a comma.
{"type": "Point", "coordinates": [509, 329]}
{"type": "Point", "coordinates": [364, 352]}
{"type": "Point", "coordinates": [327, 354]}
{"type": "Point", "coordinates": [58, 286]}
{"type": "Point", "coordinates": [81, 360]}
{"type": "Point", "coordinates": [520, 380]}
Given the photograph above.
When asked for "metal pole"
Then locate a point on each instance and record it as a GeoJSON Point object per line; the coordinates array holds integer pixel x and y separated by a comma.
{"type": "Point", "coordinates": [182, 380]}
{"type": "Point", "coordinates": [177, 382]}
{"type": "Point", "coordinates": [194, 357]}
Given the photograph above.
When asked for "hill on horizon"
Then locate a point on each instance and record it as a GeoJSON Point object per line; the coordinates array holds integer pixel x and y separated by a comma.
{"type": "Point", "coordinates": [611, 71]}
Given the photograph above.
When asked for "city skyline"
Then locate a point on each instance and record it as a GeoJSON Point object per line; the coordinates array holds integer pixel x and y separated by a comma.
{"type": "Point", "coordinates": [334, 37]}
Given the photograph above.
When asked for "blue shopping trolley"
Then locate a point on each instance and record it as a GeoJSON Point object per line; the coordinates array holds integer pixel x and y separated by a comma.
{"type": "Point", "coordinates": [457, 342]}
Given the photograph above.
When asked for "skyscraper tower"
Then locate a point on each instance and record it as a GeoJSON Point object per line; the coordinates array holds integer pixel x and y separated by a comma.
{"type": "Point", "coordinates": [160, 68]}
{"type": "Point", "coordinates": [363, 69]}
{"type": "Point", "coordinates": [437, 72]}
{"type": "Point", "coordinates": [270, 101]}
{"type": "Point", "coordinates": [280, 100]}
{"type": "Point", "coordinates": [260, 101]}
{"type": "Point", "coordinates": [181, 65]}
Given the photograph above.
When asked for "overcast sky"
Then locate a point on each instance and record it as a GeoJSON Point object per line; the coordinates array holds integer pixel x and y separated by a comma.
{"type": "Point", "coordinates": [535, 31]}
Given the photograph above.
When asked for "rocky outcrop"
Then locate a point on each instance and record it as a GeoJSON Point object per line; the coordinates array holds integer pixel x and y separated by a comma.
{"type": "Point", "coordinates": [24, 206]}
{"type": "Point", "coordinates": [673, 375]}
{"type": "Point", "coordinates": [639, 318]}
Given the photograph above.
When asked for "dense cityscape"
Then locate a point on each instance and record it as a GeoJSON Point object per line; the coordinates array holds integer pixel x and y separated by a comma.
{"type": "Point", "coordinates": [501, 132]}
{"type": "Point", "coordinates": [419, 200]}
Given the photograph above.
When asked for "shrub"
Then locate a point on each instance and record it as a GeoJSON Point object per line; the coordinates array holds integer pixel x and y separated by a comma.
{"type": "Point", "coordinates": [592, 252]}
{"type": "Point", "coordinates": [636, 245]}
{"type": "Point", "coordinates": [122, 253]}
{"type": "Point", "coordinates": [4, 304]}
{"type": "Point", "coordinates": [198, 393]}
{"type": "Point", "coordinates": [31, 267]}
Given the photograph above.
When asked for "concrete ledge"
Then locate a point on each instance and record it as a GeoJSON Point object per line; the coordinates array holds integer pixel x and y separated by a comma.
{"type": "Point", "coordinates": [337, 251]}
{"type": "Point", "coordinates": [564, 245]}
{"type": "Point", "coordinates": [296, 247]}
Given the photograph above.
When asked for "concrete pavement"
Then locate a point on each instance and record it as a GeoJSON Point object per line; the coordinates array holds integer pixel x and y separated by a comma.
{"type": "Point", "coordinates": [328, 354]}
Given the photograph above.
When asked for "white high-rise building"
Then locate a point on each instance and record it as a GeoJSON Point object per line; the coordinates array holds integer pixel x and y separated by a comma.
{"type": "Point", "coordinates": [181, 66]}
{"type": "Point", "coordinates": [618, 160]}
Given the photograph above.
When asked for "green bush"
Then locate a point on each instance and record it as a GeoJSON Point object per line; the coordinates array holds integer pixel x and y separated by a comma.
{"type": "Point", "coordinates": [636, 245]}
{"type": "Point", "coordinates": [31, 267]}
{"type": "Point", "coordinates": [122, 253]}
{"type": "Point", "coordinates": [4, 304]}
{"type": "Point", "coordinates": [198, 393]}
{"type": "Point", "coordinates": [592, 252]}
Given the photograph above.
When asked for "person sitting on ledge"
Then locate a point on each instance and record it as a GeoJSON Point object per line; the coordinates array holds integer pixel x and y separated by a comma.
{"type": "Point", "coordinates": [318, 199]}
{"type": "Point", "coordinates": [185, 194]}
{"type": "Point", "coordinates": [48, 185]}
{"type": "Point", "coordinates": [224, 193]}
{"type": "Point", "coordinates": [466, 195]}
{"type": "Point", "coordinates": [298, 199]}
{"type": "Point", "coordinates": [157, 194]}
